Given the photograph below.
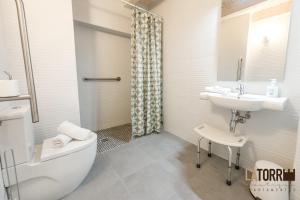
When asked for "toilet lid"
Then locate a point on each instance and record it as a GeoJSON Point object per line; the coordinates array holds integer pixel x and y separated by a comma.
{"type": "Point", "coordinates": [48, 152]}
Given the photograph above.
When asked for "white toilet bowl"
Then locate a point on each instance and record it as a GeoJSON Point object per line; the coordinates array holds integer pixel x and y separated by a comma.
{"type": "Point", "coordinates": [50, 174]}
{"type": "Point", "coordinates": [54, 178]}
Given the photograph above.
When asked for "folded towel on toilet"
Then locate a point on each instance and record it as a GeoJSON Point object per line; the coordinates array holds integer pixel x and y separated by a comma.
{"type": "Point", "coordinates": [60, 141]}
{"type": "Point", "coordinates": [74, 131]}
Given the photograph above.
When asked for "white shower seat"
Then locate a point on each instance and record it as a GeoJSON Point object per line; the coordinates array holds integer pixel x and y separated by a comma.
{"type": "Point", "coordinates": [215, 135]}
{"type": "Point", "coordinates": [220, 137]}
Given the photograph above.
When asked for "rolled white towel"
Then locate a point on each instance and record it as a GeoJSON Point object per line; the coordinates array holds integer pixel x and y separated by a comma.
{"type": "Point", "coordinates": [60, 141]}
{"type": "Point", "coordinates": [74, 131]}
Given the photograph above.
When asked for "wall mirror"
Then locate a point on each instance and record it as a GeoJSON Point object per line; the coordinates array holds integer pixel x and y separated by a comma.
{"type": "Point", "coordinates": [253, 39]}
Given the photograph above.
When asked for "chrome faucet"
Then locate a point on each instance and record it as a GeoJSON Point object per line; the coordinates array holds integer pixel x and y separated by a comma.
{"type": "Point", "coordinates": [241, 88]}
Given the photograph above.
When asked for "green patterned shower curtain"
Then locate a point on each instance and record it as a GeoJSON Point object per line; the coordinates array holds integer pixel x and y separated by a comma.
{"type": "Point", "coordinates": [146, 73]}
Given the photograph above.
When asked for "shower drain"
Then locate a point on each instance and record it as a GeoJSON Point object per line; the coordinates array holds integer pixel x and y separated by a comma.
{"type": "Point", "coordinates": [108, 139]}
{"type": "Point", "coordinates": [104, 140]}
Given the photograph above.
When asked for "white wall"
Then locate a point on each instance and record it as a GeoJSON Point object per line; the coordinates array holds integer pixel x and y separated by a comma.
{"type": "Point", "coordinates": [51, 35]}
{"type": "Point", "coordinates": [103, 104]}
{"type": "Point", "coordinates": [190, 64]}
{"type": "Point", "coordinates": [295, 74]}
{"type": "Point", "coordinates": [190, 57]}
{"type": "Point", "coordinates": [110, 14]}
{"type": "Point", "coordinates": [3, 61]}
{"type": "Point", "coordinates": [296, 185]}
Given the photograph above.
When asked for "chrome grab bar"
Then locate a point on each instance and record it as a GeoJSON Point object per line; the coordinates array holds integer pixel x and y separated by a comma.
{"type": "Point", "coordinates": [27, 59]}
{"type": "Point", "coordinates": [17, 98]}
{"type": "Point", "coordinates": [102, 79]}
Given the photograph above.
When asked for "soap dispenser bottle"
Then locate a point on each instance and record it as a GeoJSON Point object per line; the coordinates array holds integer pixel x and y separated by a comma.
{"type": "Point", "coordinates": [272, 88]}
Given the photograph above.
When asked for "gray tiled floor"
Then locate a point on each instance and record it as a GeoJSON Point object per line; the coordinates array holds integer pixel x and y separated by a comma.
{"type": "Point", "coordinates": [159, 167]}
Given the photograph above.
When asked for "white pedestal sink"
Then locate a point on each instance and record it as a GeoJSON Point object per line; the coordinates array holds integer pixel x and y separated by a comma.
{"type": "Point", "coordinates": [246, 102]}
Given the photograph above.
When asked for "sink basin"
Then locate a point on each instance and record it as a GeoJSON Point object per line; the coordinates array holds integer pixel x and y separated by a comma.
{"type": "Point", "coordinates": [246, 102]}
{"type": "Point", "coordinates": [236, 102]}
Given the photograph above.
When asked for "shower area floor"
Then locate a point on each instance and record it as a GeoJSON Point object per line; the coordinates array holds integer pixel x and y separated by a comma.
{"type": "Point", "coordinates": [111, 138]}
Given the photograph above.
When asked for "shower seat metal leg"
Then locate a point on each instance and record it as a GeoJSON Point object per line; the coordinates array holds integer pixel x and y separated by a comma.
{"type": "Point", "coordinates": [199, 152]}
{"type": "Point", "coordinates": [209, 149]}
{"type": "Point", "coordinates": [238, 155]}
{"type": "Point", "coordinates": [228, 181]}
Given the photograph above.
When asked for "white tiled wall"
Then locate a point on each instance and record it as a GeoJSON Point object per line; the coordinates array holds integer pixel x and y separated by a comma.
{"type": "Point", "coordinates": [296, 184]}
{"type": "Point", "coordinates": [103, 104]}
{"type": "Point", "coordinates": [294, 58]}
{"type": "Point", "coordinates": [190, 37]}
{"type": "Point", "coordinates": [190, 64]}
{"type": "Point", "coordinates": [51, 35]}
{"type": "Point", "coordinates": [3, 61]}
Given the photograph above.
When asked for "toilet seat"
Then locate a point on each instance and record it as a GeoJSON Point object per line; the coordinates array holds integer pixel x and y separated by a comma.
{"type": "Point", "coordinates": [49, 153]}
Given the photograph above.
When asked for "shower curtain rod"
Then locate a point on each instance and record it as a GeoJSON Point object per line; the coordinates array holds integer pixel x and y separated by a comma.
{"type": "Point", "coordinates": [142, 9]}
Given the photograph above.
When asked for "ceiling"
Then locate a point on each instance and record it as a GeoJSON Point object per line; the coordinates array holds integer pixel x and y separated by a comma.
{"type": "Point", "coordinates": [238, 1]}
{"type": "Point", "coordinates": [147, 4]}
{"type": "Point", "coordinates": [228, 6]}
{"type": "Point", "coordinates": [231, 6]}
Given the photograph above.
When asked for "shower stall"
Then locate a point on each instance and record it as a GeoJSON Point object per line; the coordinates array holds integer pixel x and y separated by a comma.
{"type": "Point", "coordinates": [118, 52]}
{"type": "Point", "coordinates": [103, 68]}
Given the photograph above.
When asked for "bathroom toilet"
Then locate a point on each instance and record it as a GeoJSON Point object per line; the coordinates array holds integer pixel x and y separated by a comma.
{"type": "Point", "coordinates": [43, 173]}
